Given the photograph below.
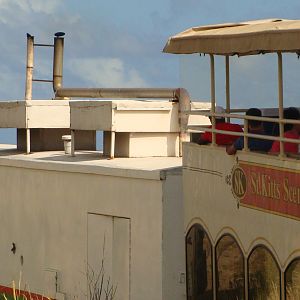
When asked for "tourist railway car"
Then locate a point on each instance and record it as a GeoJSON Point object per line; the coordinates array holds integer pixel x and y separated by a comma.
{"type": "Point", "coordinates": [241, 211]}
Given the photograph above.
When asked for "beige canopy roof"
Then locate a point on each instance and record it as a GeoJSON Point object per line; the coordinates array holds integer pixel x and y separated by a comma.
{"type": "Point", "coordinates": [245, 38]}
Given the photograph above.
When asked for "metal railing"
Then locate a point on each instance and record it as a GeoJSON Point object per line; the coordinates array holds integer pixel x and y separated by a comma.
{"type": "Point", "coordinates": [280, 121]}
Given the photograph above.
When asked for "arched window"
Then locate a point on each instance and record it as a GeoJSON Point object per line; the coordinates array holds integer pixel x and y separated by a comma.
{"type": "Point", "coordinates": [199, 264]}
{"type": "Point", "coordinates": [292, 280]}
{"type": "Point", "coordinates": [263, 275]}
{"type": "Point", "coordinates": [230, 273]}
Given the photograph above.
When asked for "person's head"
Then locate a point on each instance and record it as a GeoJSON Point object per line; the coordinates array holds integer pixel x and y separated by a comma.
{"type": "Point", "coordinates": [219, 110]}
{"type": "Point", "coordinates": [254, 124]}
{"type": "Point", "coordinates": [293, 114]}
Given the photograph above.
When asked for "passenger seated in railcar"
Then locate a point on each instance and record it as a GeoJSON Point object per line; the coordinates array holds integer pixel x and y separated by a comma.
{"type": "Point", "coordinates": [221, 139]}
{"type": "Point", "coordinates": [270, 128]}
{"type": "Point", "coordinates": [291, 131]}
{"type": "Point", "coordinates": [254, 144]}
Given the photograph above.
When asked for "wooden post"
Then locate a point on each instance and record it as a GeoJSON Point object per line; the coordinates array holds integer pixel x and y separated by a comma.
{"type": "Point", "coordinates": [246, 148]}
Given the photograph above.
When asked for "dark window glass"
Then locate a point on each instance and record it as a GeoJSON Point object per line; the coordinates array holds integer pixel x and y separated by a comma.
{"type": "Point", "coordinates": [230, 274]}
{"type": "Point", "coordinates": [264, 275]}
{"type": "Point", "coordinates": [199, 264]}
{"type": "Point", "coordinates": [292, 280]}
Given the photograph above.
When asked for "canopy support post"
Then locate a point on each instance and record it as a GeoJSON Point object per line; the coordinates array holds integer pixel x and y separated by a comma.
{"type": "Point", "coordinates": [280, 102]}
{"type": "Point", "coordinates": [227, 86]}
{"type": "Point", "coordinates": [246, 131]}
{"type": "Point", "coordinates": [213, 97]}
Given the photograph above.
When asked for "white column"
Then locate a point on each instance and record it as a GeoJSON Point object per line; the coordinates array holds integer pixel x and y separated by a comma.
{"type": "Point", "coordinates": [112, 144]}
{"type": "Point", "coordinates": [72, 142]}
{"type": "Point", "coordinates": [28, 141]}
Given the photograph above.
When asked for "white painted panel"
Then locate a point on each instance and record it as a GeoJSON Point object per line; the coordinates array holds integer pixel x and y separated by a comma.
{"type": "Point", "coordinates": [12, 114]}
{"type": "Point", "coordinates": [147, 120]}
{"type": "Point", "coordinates": [91, 115]}
{"type": "Point", "coordinates": [121, 257]}
{"type": "Point", "coordinates": [153, 144]}
{"type": "Point", "coordinates": [100, 237]}
{"type": "Point", "coordinates": [140, 105]}
{"type": "Point", "coordinates": [48, 116]}
{"type": "Point", "coordinates": [108, 254]}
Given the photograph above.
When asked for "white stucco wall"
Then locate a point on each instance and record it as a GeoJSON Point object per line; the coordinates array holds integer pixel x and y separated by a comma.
{"type": "Point", "coordinates": [44, 212]}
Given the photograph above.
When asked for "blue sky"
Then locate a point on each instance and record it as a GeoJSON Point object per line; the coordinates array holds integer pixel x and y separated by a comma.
{"type": "Point", "coordinates": [119, 43]}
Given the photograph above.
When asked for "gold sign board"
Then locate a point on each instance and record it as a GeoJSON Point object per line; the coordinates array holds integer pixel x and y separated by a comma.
{"type": "Point", "coordinates": [268, 188]}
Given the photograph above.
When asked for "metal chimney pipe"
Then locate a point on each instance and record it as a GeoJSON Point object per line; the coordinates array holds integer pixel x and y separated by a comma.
{"type": "Point", "coordinates": [29, 67]}
{"type": "Point", "coordinates": [58, 60]}
{"type": "Point", "coordinates": [116, 93]}
{"type": "Point", "coordinates": [28, 84]}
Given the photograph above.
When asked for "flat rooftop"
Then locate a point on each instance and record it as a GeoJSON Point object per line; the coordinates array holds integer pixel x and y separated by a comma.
{"type": "Point", "coordinates": [90, 162]}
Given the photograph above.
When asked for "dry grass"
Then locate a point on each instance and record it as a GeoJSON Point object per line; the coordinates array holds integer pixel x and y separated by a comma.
{"type": "Point", "coordinates": [100, 286]}
{"type": "Point", "coordinates": [18, 294]}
